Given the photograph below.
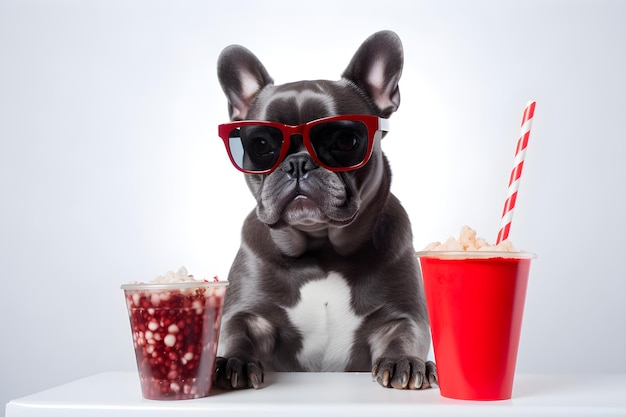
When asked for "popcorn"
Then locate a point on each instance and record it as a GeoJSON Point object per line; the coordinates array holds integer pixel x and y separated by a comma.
{"type": "Point", "coordinates": [469, 242]}
{"type": "Point", "coordinates": [172, 278]}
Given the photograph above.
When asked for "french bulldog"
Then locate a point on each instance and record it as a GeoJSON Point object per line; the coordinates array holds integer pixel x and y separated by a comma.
{"type": "Point", "coordinates": [326, 277]}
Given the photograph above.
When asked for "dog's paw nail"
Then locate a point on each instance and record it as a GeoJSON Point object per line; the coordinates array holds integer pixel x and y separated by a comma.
{"type": "Point", "coordinates": [400, 381]}
{"type": "Point", "coordinates": [254, 381]}
{"type": "Point", "coordinates": [404, 380]}
{"type": "Point", "coordinates": [386, 378]}
{"type": "Point", "coordinates": [418, 383]}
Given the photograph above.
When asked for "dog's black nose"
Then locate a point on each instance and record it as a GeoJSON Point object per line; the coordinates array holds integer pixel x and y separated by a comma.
{"type": "Point", "coordinates": [298, 165]}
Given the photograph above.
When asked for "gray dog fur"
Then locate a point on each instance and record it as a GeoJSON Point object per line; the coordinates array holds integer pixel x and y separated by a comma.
{"type": "Point", "coordinates": [326, 277]}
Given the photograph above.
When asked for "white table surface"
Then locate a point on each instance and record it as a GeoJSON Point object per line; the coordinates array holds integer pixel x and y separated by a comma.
{"type": "Point", "coordinates": [328, 394]}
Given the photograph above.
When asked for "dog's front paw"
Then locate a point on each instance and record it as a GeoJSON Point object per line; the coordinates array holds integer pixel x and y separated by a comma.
{"type": "Point", "coordinates": [237, 373]}
{"type": "Point", "coordinates": [405, 372]}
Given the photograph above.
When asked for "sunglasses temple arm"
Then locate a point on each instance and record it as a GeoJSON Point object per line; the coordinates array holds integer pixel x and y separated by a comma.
{"type": "Point", "coordinates": [383, 124]}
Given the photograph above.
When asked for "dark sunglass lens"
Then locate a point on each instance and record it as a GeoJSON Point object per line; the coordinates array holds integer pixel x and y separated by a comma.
{"type": "Point", "coordinates": [341, 143]}
{"type": "Point", "coordinates": [255, 148]}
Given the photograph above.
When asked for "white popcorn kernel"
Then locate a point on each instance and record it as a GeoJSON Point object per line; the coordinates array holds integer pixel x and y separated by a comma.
{"type": "Point", "coordinates": [506, 245]}
{"type": "Point", "coordinates": [452, 245]}
{"type": "Point", "coordinates": [467, 237]}
{"type": "Point", "coordinates": [481, 243]}
{"type": "Point", "coordinates": [182, 273]}
{"type": "Point", "coordinates": [433, 246]}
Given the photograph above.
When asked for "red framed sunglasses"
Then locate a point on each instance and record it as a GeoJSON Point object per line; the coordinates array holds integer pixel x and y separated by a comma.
{"type": "Point", "coordinates": [337, 143]}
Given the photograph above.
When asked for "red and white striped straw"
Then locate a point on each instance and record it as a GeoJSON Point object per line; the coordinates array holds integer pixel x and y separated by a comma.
{"type": "Point", "coordinates": [516, 173]}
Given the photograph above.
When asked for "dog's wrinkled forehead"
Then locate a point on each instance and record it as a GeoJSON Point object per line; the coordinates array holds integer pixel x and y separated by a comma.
{"type": "Point", "coordinates": [303, 101]}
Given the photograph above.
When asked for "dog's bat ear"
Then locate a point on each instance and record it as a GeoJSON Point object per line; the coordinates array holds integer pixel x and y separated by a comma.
{"type": "Point", "coordinates": [241, 76]}
{"type": "Point", "coordinates": [376, 68]}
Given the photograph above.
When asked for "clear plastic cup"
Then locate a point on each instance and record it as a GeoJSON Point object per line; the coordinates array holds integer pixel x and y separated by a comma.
{"type": "Point", "coordinates": [175, 330]}
{"type": "Point", "coordinates": [475, 304]}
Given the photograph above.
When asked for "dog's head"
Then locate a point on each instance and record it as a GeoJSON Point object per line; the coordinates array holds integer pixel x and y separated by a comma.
{"type": "Point", "coordinates": [311, 175]}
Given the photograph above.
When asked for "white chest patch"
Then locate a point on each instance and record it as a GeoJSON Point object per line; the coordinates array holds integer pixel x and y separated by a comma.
{"type": "Point", "coordinates": [325, 318]}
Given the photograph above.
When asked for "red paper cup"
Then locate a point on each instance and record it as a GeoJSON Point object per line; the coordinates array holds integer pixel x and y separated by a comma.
{"type": "Point", "coordinates": [475, 304]}
{"type": "Point", "coordinates": [175, 331]}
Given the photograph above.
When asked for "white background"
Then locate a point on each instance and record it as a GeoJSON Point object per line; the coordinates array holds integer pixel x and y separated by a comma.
{"type": "Point", "coordinates": [111, 169]}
